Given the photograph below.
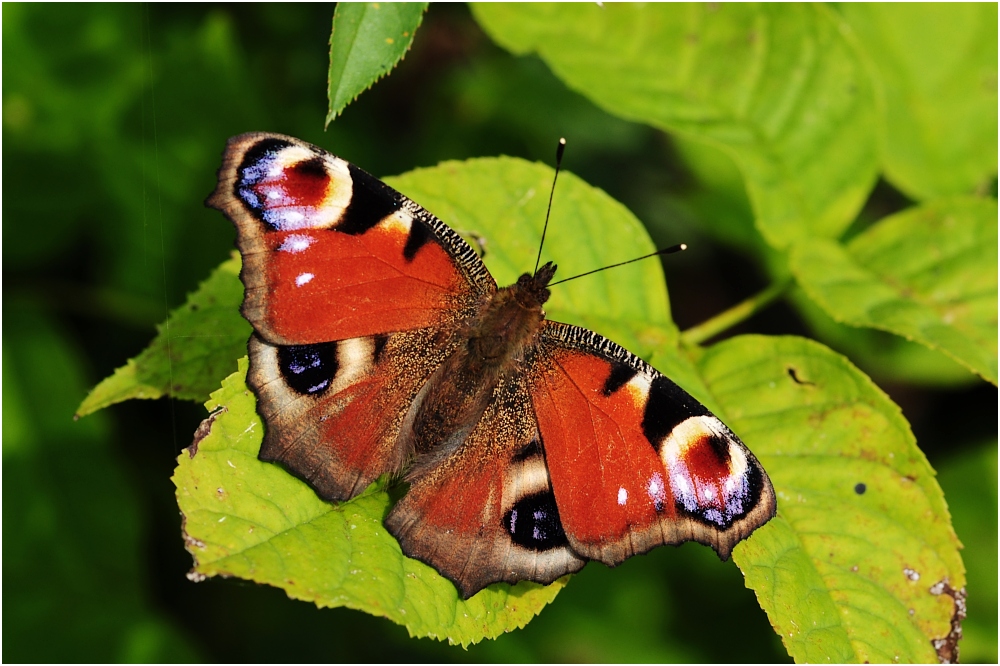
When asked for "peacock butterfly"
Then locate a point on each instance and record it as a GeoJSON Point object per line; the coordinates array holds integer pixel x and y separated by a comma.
{"type": "Point", "coordinates": [382, 344]}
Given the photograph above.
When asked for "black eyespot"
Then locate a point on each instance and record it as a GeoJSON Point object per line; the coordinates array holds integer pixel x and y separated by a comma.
{"type": "Point", "coordinates": [308, 369]}
{"type": "Point", "coordinates": [533, 523]}
{"type": "Point", "coordinates": [860, 488]}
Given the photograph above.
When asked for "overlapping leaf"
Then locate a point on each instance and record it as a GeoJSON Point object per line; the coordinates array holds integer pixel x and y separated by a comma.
{"type": "Point", "coordinates": [936, 64]}
{"type": "Point", "coordinates": [928, 274]}
{"type": "Point", "coordinates": [368, 40]}
{"type": "Point", "coordinates": [777, 86]}
{"type": "Point", "coordinates": [845, 570]}
{"type": "Point", "coordinates": [196, 347]}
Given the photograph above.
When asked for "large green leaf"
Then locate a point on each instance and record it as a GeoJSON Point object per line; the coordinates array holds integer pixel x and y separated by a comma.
{"type": "Point", "coordinates": [368, 40]}
{"type": "Point", "coordinates": [862, 533]}
{"type": "Point", "coordinates": [936, 64]}
{"type": "Point", "coordinates": [196, 347]}
{"type": "Point", "coordinates": [777, 86]}
{"type": "Point", "coordinates": [928, 274]}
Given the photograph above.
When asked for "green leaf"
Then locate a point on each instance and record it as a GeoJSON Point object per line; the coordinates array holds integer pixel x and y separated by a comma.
{"type": "Point", "coordinates": [778, 87]}
{"type": "Point", "coordinates": [367, 41]}
{"type": "Point", "coordinates": [883, 356]}
{"type": "Point", "coordinates": [928, 274]}
{"type": "Point", "coordinates": [196, 347]}
{"type": "Point", "coordinates": [831, 568]}
{"type": "Point", "coordinates": [936, 65]}
{"type": "Point", "coordinates": [253, 520]}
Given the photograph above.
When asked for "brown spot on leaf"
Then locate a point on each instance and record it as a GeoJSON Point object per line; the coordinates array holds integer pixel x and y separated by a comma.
{"type": "Point", "coordinates": [201, 433]}
{"type": "Point", "coordinates": [795, 378]}
{"type": "Point", "coordinates": [947, 646]}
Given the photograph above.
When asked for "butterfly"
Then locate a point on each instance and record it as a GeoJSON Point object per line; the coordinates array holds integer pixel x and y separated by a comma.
{"type": "Point", "coordinates": [383, 345]}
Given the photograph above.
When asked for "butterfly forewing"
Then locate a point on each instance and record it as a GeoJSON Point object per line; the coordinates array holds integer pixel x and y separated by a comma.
{"type": "Point", "coordinates": [331, 253]}
{"type": "Point", "coordinates": [635, 461]}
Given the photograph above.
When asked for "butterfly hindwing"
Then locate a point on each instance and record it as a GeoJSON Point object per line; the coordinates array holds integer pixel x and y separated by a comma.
{"type": "Point", "coordinates": [334, 410]}
{"type": "Point", "coordinates": [331, 253]}
{"type": "Point", "coordinates": [635, 461]}
{"type": "Point", "coordinates": [486, 513]}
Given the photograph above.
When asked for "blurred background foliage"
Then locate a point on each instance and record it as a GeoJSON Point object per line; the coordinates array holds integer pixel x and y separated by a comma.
{"type": "Point", "coordinates": [114, 119]}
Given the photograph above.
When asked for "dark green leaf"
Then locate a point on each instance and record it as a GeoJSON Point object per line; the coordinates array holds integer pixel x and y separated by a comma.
{"type": "Point", "coordinates": [74, 568]}
{"type": "Point", "coordinates": [368, 40]}
{"type": "Point", "coordinates": [195, 348]}
{"type": "Point", "coordinates": [969, 479]}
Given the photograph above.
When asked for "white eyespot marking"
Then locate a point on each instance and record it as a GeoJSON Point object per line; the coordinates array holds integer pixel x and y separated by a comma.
{"type": "Point", "coordinates": [296, 243]}
{"type": "Point", "coordinates": [303, 278]}
{"type": "Point", "coordinates": [622, 496]}
{"type": "Point", "coordinates": [911, 574]}
{"type": "Point", "coordinates": [273, 194]}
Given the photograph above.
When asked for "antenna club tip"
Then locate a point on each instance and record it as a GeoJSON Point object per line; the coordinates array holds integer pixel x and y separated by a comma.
{"type": "Point", "coordinates": [562, 142]}
{"type": "Point", "coordinates": [682, 247]}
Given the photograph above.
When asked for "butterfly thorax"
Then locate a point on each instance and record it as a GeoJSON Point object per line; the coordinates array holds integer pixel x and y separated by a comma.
{"type": "Point", "coordinates": [491, 347]}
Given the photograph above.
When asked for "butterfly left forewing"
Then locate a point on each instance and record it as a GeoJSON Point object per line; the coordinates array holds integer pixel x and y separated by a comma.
{"type": "Point", "coordinates": [635, 461]}
{"type": "Point", "coordinates": [485, 513]}
{"type": "Point", "coordinates": [331, 253]}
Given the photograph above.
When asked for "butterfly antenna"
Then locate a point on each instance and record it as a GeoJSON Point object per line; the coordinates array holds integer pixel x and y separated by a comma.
{"type": "Point", "coordinates": [669, 250]}
{"type": "Point", "coordinates": [560, 149]}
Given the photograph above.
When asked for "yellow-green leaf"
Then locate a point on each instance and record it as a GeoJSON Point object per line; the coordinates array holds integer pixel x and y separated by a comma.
{"type": "Point", "coordinates": [253, 520]}
{"type": "Point", "coordinates": [928, 274]}
{"type": "Point", "coordinates": [196, 347]}
{"type": "Point", "coordinates": [936, 64]}
{"type": "Point", "coordinates": [778, 87]}
{"type": "Point", "coordinates": [862, 534]}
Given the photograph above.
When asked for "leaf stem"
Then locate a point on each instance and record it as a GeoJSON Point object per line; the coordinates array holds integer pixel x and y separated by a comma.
{"type": "Point", "coordinates": [734, 315]}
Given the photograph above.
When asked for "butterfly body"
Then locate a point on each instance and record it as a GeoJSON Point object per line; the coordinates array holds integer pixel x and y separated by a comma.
{"type": "Point", "coordinates": [383, 345]}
